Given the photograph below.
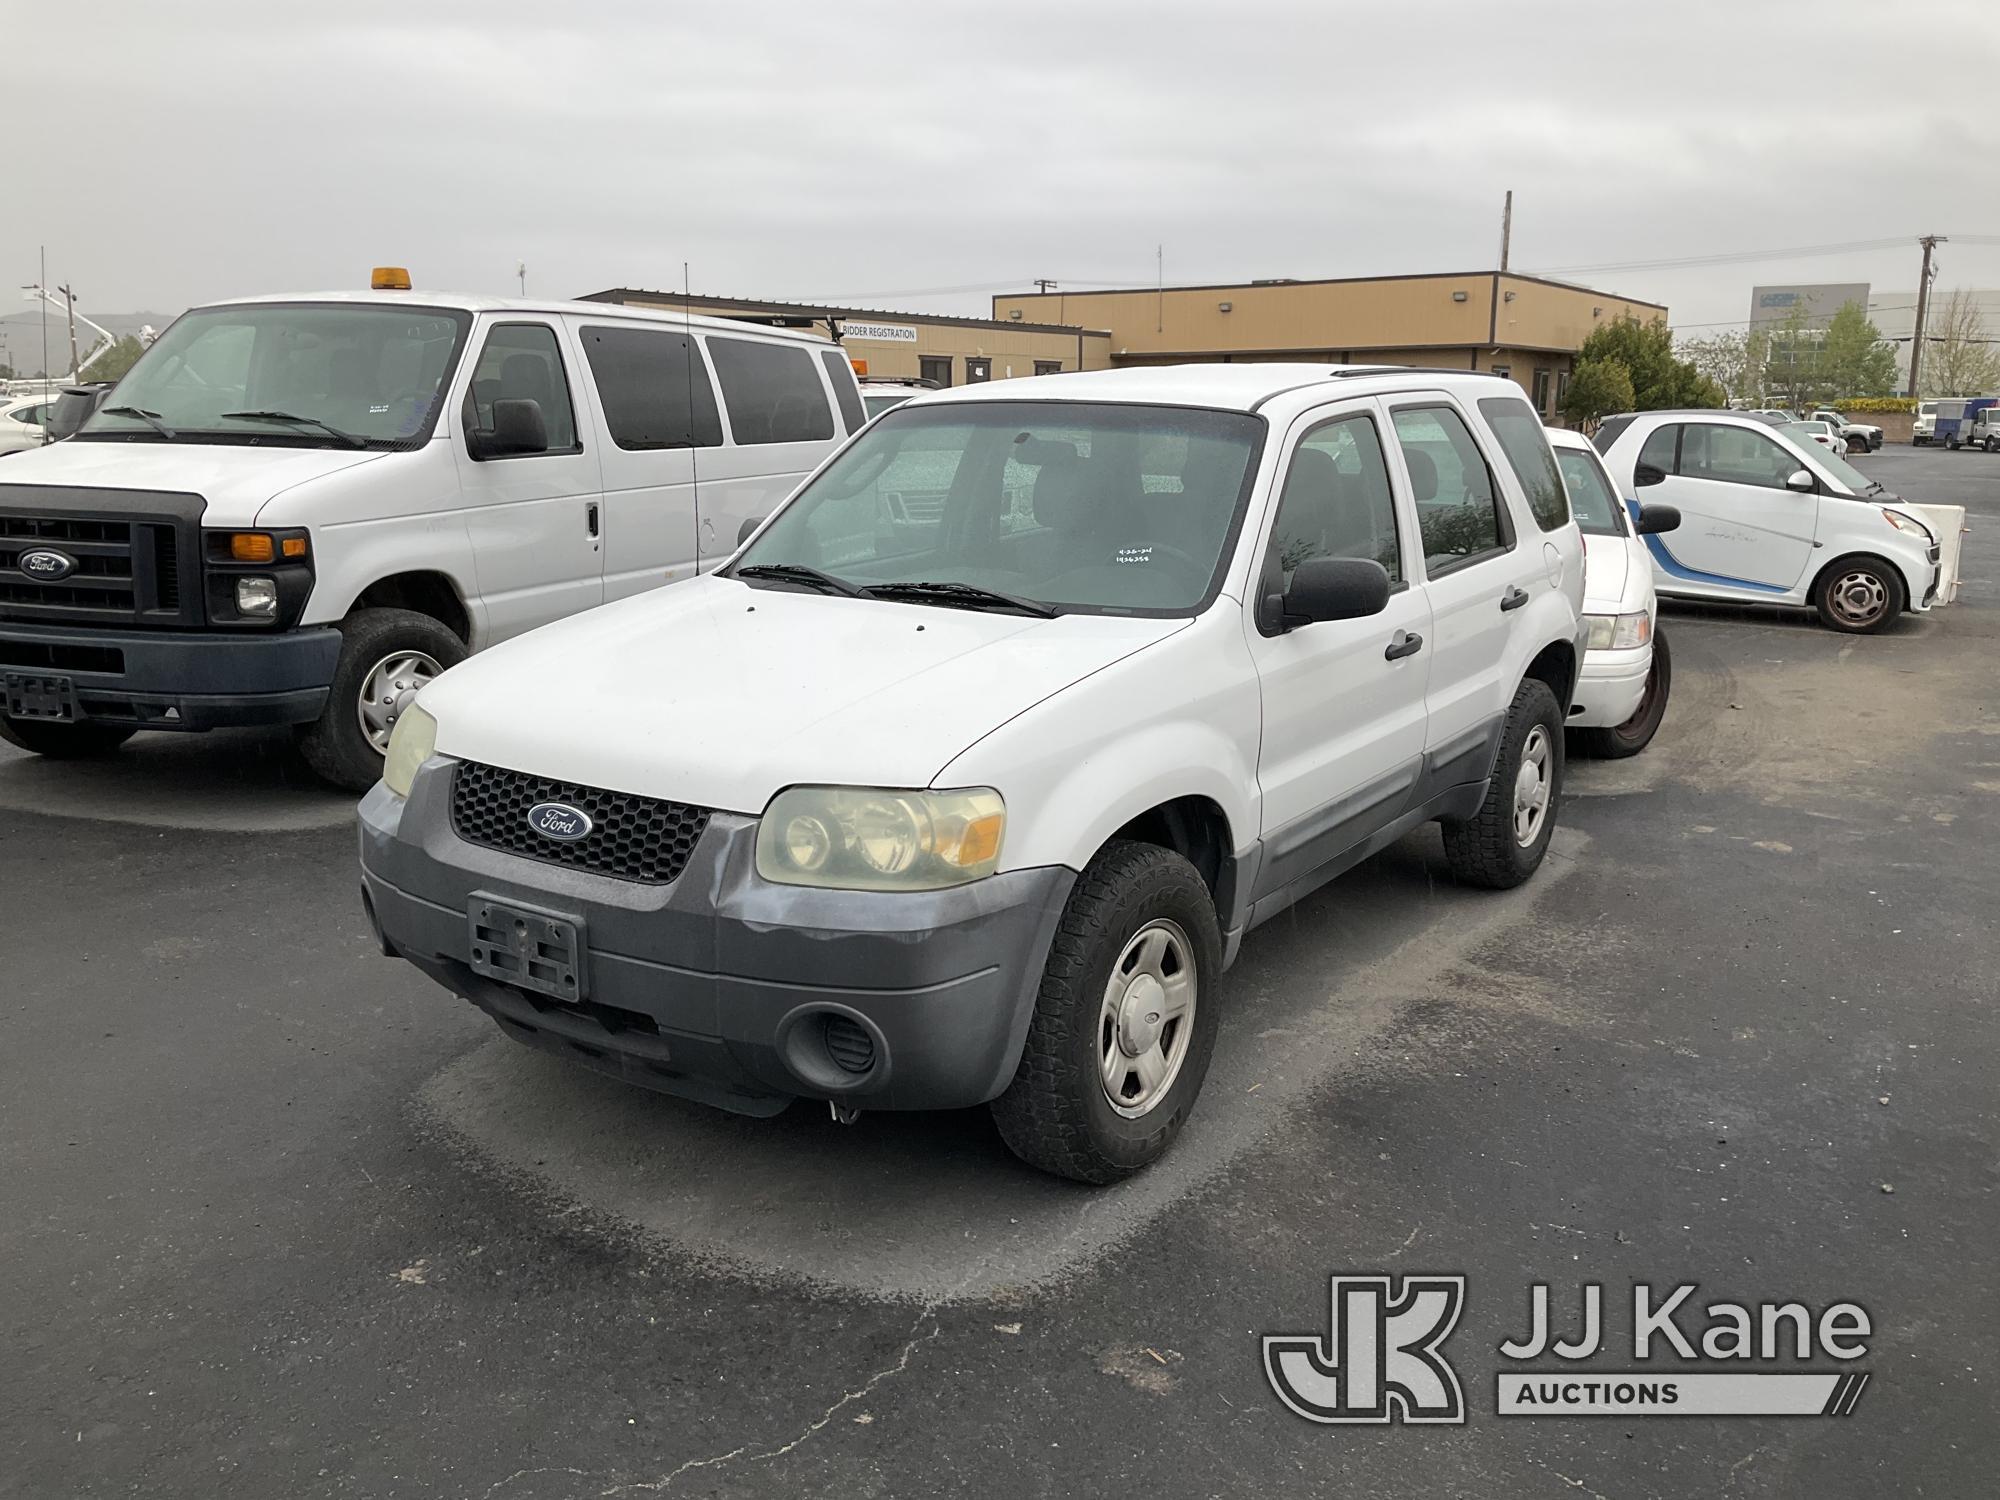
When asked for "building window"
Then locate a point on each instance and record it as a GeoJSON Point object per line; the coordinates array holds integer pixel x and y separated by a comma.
{"type": "Point", "coordinates": [1048, 367]}
{"type": "Point", "coordinates": [935, 368]}
{"type": "Point", "coordinates": [1562, 388]}
{"type": "Point", "coordinates": [1503, 371]}
{"type": "Point", "coordinates": [977, 371]}
{"type": "Point", "coordinates": [1542, 390]}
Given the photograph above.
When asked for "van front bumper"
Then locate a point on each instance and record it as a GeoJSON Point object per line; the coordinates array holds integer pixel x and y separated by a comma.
{"type": "Point", "coordinates": [721, 986]}
{"type": "Point", "coordinates": [177, 679]}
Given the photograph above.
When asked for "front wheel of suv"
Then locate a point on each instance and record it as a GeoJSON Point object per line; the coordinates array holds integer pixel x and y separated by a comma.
{"type": "Point", "coordinates": [1125, 1020]}
{"type": "Point", "coordinates": [1502, 844]}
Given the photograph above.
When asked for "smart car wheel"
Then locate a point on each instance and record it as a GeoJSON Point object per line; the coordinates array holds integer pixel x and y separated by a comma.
{"type": "Point", "coordinates": [1636, 733]}
{"type": "Point", "coordinates": [64, 741]}
{"type": "Point", "coordinates": [1859, 595]}
{"type": "Point", "coordinates": [1503, 843]}
{"type": "Point", "coordinates": [386, 657]}
{"type": "Point", "coordinates": [1125, 1020]}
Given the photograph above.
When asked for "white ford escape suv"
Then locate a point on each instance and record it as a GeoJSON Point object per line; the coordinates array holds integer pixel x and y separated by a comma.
{"type": "Point", "coordinates": [967, 802]}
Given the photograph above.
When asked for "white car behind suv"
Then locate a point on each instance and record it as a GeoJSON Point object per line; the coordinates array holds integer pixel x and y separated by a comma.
{"type": "Point", "coordinates": [1770, 519]}
{"type": "Point", "coordinates": [906, 815]}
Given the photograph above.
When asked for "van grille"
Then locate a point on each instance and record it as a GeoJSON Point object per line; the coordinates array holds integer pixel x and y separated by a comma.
{"type": "Point", "coordinates": [127, 571]}
{"type": "Point", "coordinates": [633, 838]}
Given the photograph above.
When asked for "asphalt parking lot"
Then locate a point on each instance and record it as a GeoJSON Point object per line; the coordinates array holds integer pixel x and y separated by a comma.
{"type": "Point", "coordinates": [281, 1219]}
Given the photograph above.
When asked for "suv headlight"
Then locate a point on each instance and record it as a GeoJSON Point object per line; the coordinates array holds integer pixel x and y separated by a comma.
{"type": "Point", "coordinates": [1617, 632]}
{"type": "Point", "coordinates": [412, 742]}
{"type": "Point", "coordinates": [869, 839]}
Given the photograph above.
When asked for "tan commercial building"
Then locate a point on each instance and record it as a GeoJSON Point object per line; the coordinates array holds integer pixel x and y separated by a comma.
{"type": "Point", "coordinates": [1513, 325]}
{"type": "Point", "coordinates": [930, 346]}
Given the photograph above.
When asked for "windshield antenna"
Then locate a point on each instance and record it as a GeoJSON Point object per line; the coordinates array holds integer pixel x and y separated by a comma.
{"type": "Point", "coordinates": [694, 468]}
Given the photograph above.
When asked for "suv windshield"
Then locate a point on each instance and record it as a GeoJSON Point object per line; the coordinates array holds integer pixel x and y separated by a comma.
{"type": "Point", "coordinates": [1591, 498]}
{"type": "Point", "coordinates": [1101, 508]}
{"type": "Point", "coordinates": [328, 375]}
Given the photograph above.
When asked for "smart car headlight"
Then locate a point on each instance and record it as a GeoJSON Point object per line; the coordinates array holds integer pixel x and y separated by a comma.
{"type": "Point", "coordinates": [1617, 632]}
{"type": "Point", "coordinates": [879, 839]}
{"type": "Point", "coordinates": [412, 742]}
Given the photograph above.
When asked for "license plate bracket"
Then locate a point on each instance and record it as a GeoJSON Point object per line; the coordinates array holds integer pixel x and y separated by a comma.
{"type": "Point", "coordinates": [33, 695]}
{"type": "Point", "coordinates": [533, 950]}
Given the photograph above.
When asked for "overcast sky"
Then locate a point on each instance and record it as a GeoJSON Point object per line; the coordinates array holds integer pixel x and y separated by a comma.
{"type": "Point", "coordinates": [926, 153]}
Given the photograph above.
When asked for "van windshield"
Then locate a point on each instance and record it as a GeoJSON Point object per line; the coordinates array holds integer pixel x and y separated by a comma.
{"type": "Point", "coordinates": [324, 375]}
{"type": "Point", "coordinates": [1100, 508]}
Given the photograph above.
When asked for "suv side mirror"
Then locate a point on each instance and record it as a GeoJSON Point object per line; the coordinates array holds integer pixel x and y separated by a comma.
{"type": "Point", "coordinates": [1646, 474]}
{"type": "Point", "coordinates": [1656, 518]}
{"type": "Point", "coordinates": [1330, 588]}
{"type": "Point", "coordinates": [1802, 481]}
{"type": "Point", "coordinates": [518, 428]}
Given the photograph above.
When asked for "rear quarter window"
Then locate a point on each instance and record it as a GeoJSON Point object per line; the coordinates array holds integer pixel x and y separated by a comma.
{"type": "Point", "coordinates": [1525, 446]}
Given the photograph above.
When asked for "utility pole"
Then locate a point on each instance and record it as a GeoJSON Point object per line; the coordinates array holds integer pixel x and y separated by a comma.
{"type": "Point", "coordinates": [521, 270]}
{"type": "Point", "coordinates": [1044, 285]}
{"type": "Point", "coordinates": [1506, 228]}
{"type": "Point", "coordinates": [69, 298]}
{"type": "Point", "coordinates": [1930, 242]}
{"type": "Point", "coordinates": [1160, 273]}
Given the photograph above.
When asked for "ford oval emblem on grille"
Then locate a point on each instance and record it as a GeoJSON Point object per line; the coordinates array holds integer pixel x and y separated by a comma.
{"type": "Point", "coordinates": [46, 564]}
{"type": "Point", "coordinates": [560, 821]}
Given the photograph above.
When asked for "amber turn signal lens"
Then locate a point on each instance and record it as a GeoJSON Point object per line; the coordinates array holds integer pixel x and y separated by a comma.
{"type": "Point", "coordinates": [251, 547]}
{"type": "Point", "coordinates": [293, 546]}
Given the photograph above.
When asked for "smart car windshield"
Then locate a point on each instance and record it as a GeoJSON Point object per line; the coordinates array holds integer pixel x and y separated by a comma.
{"type": "Point", "coordinates": [1103, 508]}
{"type": "Point", "coordinates": [325, 375]}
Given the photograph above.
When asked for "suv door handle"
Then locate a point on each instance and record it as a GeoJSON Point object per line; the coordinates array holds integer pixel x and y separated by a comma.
{"type": "Point", "coordinates": [1514, 598]}
{"type": "Point", "coordinates": [1403, 643]}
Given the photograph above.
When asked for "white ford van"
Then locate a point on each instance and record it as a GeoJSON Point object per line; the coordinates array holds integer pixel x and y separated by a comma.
{"type": "Point", "coordinates": [298, 510]}
{"type": "Point", "coordinates": [963, 781]}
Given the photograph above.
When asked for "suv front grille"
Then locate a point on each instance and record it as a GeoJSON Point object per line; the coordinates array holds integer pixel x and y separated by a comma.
{"type": "Point", "coordinates": [633, 838]}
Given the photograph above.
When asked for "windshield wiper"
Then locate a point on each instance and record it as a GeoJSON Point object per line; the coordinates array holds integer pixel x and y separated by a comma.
{"type": "Point", "coordinates": [353, 440]}
{"type": "Point", "coordinates": [970, 595]}
{"type": "Point", "coordinates": [150, 418]}
{"type": "Point", "coordinates": [800, 573]}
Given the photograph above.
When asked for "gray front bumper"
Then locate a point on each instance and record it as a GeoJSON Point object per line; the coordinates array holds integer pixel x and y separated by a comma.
{"type": "Point", "coordinates": [718, 986]}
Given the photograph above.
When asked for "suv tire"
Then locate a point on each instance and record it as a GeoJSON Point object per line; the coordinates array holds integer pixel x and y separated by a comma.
{"type": "Point", "coordinates": [64, 741]}
{"type": "Point", "coordinates": [1137, 914]}
{"type": "Point", "coordinates": [1858, 595]}
{"type": "Point", "coordinates": [1502, 844]}
{"type": "Point", "coordinates": [1636, 733]}
{"type": "Point", "coordinates": [374, 644]}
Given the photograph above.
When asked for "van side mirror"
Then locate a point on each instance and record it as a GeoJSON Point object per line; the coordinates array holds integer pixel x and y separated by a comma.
{"type": "Point", "coordinates": [750, 524]}
{"type": "Point", "coordinates": [1656, 518]}
{"type": "Point", "coordinates": [1646, 474]}
{"type": "Point", "coordinates": [1802, 481]}
{"type": "Point", "coordinates": [69, 411]}
{"type": "Point", "coordinates": [518, 428]}
{"type": "Point", "coordinates": [1330, 588]}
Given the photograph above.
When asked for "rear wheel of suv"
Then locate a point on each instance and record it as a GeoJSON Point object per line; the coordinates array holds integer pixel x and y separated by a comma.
{"type": "Point", "coordinates": [386, 657]}
{"type": "Point", "coordinates": [1503, 843]}
{"type": "Point", "coordinates": [64, 741]}
{"type": "Point", "coordinates": [1859, 595]}
{"type": "Point", "coordinates": [1125, 1020]}
{"type": "Point", "coordinates": [1636, 733]}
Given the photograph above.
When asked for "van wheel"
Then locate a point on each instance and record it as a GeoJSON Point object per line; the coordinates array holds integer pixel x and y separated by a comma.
{"type": "Point", "coordinates": [55, 741]}
{"type": "Point", "coordinates": [1859, 595]}
{"type": "Point", "coordinates": [1125, 1020]}
{"type": "Point", "coordinates": [386, 656]}
{"type": "Point", "coordinates": [1502, 844]}
{"type": "Point", "coordinates": [1637, 732]}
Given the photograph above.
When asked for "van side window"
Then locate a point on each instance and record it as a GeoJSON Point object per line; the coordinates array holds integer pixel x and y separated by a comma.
{"type": "Point", "coordinates": [1458, 504]}
{"type": "Point", "coordinates": [1525, 446]}
{"type": "Point", "coordinates": [1335, 502]}
{"type": "Point", "coordinates": [1735, 455]}
{"type": "Point", "coordinates": [845, 391]}
{"type": "Point", "coordinates": [772, 392]}
{"type": "Point", "coordinates": [521, 362]}
{"type": "Point", "coordinates": [655, 388]}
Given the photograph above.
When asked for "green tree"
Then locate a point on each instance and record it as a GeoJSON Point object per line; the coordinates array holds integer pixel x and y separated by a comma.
{"type": "Point", "coordinates": [1597, 388]}
{"type": "Point", "coordinates": [1854, 361]}
{"type": "Point", "coordinates": [115, 360]}
{"type": "Point", "coordinates": [1646, 350]}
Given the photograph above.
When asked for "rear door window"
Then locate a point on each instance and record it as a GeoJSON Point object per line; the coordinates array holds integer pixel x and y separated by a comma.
{"type": "Point", "coordinates": [772, 392]}
{"type": "Point", "coordinates": [1458, 504]}
{"type": "Point", "coordinates": [654, 386]}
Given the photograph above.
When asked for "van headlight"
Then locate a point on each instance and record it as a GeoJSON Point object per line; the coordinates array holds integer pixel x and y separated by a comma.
{"type": "Point", "coordinates": [412, 742]}
{"type": "Point", "coordinates": [1617, 632]}
{"type": "Point", "coordinates": [869, 839]}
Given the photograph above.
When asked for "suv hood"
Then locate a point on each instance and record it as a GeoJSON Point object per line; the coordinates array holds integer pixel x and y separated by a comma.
{"type": "Point", "coordinates": [236, 480]}
{"type": "Point", "coordinates": [717, 694]}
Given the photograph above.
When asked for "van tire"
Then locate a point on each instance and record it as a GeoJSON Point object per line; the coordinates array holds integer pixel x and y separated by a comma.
{"type": "Point", "coordinates": [1057, 1114]}
{"type": "Point", "coordinates": [54, 741]}
{"type": "Point", "coordinates": [335, 745]}
{"type": "Point", "coordinates": [1636, 733]}
{"type": "Point", "coordinates": [1840, 613]}
{"type": "Point", "coordinates": [1485, 849]}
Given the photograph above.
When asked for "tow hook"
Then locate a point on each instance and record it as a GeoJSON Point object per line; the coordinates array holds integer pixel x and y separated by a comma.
{"type": "Point", "coordinates": [843, 1114]}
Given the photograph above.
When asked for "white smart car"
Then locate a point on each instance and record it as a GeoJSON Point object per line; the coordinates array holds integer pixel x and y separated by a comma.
{"type": "Point", "coordinates": [1767, 518]}
{"type": "Point", "coordinates": [923, 814]}
{"type": "Point", "coordinates": [1621, 694]}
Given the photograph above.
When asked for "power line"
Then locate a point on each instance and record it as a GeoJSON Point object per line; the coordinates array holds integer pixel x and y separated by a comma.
{"type": "Point", "coordinates": [1851, 247]}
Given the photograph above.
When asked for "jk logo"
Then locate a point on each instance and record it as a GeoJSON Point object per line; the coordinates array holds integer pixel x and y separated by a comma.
{"type": "Point", "coordinates": [1382, 1363]}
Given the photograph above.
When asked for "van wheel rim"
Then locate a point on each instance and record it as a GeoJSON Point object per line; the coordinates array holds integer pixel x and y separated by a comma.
{"type": "Point", "coordinates": [1531, 787]}
{"type": "Point", "coordinates": [1147, 1018]}
{"type": "Point", "coordinates": [1859, 598]}
{"type": "Point", "coordinates": [391, 685]}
